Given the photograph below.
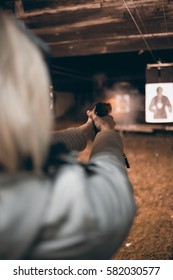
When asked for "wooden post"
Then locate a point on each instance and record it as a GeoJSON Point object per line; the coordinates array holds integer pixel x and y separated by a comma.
{"type": "Point", "coordinates": [18, 8]}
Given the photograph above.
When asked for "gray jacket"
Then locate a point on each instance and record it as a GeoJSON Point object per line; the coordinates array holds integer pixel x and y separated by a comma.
{"type": "Point", "coordinates": [85, 212]}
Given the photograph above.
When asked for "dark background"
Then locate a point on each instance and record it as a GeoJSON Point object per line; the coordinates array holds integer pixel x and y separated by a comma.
{"type": "Point", "coordinates": [78, 71]}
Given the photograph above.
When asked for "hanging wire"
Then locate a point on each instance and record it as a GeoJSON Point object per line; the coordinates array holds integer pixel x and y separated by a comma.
{"type": "Point", "coordinates": [142, 22]}
{"type": "Point", "coordinates": [166, 25]}
{"type": "Point", "coordinates": [74, 74]}
{"type": "Point", "coordinates": [165, 20]}
{"type": "Point", "coordinates": [137, 26]}
{"type": "Point", "coordinates": [140, 32]}
{"type": "Point", "coordinates": [69, 73]}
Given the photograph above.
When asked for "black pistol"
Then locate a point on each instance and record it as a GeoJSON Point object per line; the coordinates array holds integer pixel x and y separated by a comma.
{"type": "Point", "coordinates": [102, 109]}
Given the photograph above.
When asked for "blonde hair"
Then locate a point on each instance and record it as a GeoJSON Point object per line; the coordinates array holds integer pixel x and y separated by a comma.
{"type": "Point", "coordinates": [25, 117]}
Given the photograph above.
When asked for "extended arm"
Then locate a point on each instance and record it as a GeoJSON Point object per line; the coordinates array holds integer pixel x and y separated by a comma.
{"type": "Point", "coordinates": [91, 209]}
{"type": "Point", "coordinates": [111, 192]}
{"type": "Point", "coordinates": [75, 138]}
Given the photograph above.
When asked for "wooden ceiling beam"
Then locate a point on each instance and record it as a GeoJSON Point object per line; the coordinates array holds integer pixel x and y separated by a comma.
{"type": "Point", "coordinates": [111, 7]}
{"type": "Point", "coordinates": [117, 38]}
{"type": "Point", "coordinates": [100, 46]}
{"type": "Point", "coordinates": [62, 9]}
{"type": "Point", "coordinates": [94, 26]}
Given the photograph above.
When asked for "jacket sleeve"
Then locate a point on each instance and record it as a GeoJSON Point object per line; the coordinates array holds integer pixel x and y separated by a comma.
{"type": "Point", "coordinates": [89, 214]}
{"type": "Point", "coordinates": [108, 143]}
{"type": "Point", "coordinates": [110, 190]}
{"type": "Point", "coordinates": [73, 138]}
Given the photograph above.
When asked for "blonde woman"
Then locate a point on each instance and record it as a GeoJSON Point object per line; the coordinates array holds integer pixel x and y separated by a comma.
{"type": "Point", "coordinates": [60, 209]}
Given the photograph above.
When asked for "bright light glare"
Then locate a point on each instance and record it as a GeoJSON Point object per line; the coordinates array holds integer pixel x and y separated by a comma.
{"type": "Point", "coordinates": [122, 103]}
